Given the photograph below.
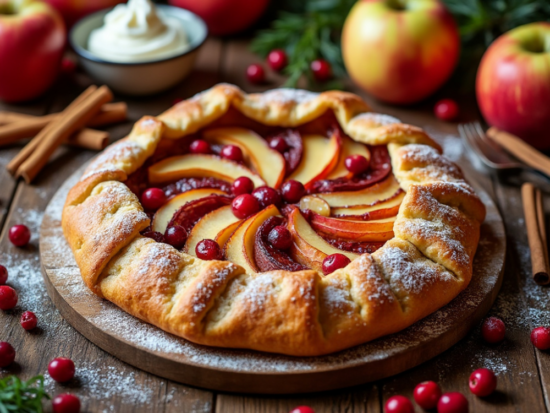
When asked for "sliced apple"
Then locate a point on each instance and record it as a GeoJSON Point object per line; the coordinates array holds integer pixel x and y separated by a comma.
{"type": "Point", "coordinates": [349, 147]}
{"type": "Point", "coordinates": [198, 165]}
{"type": "Point", "coordinates": [240, 246]}
{"type": "Point", "coordinates": [385, 209]}
{"type": "Point", "coordinates": [364, 197]}
{"type": "Point", "coordinates": [268, 163]}
{"type": "Point", "coordinates": [224, 235]}
{"type": "Point", "coordinates": [309, 248]}
{"type": "Point", "coordinates": [210, 226]}
{"type": "Point", "coordinates": [319, 158]}
{"type": "Point", "coordinates": [358, 231]}
{"type": "Point", "coordinates": [167, 211]}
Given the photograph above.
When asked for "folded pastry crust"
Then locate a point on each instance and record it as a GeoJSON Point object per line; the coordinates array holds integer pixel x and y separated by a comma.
{"type": "Point", "coordinates": [216, 303]}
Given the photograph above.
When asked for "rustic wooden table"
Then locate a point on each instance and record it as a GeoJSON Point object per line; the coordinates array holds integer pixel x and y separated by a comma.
{"type": "Point", "coordinates": [104, 384]}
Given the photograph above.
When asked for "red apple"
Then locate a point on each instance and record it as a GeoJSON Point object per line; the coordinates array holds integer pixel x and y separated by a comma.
{"type": "Point", "coordinates": [400, 51]}
{"type": "Point", "coordinates": [225, 16]}
{"type": "Point", "coordinates": [32, 39]}
{"type": "Point", "coordinates": [513, 83]}
{"type": "Point", "coordinates": [73, 10]}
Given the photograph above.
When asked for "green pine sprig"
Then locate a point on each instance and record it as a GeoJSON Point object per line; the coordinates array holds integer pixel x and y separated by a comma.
{"type": "Point", "coordinates": [22, 396]}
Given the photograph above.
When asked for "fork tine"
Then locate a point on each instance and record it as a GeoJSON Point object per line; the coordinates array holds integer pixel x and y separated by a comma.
{"type": "Point", "coordinates": [481, 133]}
{"type": "Point", "coordinates": [463, 130]}
{"type": "Point", "coordinates": [471, 135]}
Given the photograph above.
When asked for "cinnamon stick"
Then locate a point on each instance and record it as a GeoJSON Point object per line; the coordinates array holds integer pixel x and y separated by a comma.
{"type": "Point", "coordinates": [89, 139]}
{"type": "Point", "coordinates": [536, 232]}
{"type": "Point", "coordinates": [73, 119]}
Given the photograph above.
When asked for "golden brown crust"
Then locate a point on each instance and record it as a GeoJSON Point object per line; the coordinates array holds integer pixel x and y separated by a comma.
{"type": "Point", "coordinates": [302, 313]}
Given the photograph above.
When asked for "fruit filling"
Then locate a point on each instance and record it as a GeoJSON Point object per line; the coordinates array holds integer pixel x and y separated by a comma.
{"type": "Point", "coordinates": [286, 200]}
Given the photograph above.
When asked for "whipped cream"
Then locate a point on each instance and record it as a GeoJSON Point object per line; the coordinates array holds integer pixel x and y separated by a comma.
{"type": "Point", "coordinates": [135, 33]}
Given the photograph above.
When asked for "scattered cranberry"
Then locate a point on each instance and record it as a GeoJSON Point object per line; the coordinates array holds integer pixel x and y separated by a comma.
{"type": "Point", "coordinates": [278, 143]}
{"type": "Point", "coordinates": [452, 403]}
{"type": "Point", "coordinates": [7, 354]}
{"type": "Point", "coordinates": [302, 409]}
{"type": "Point", "coordinates": [8, 297]}
{"type": "Point", "coordinates": [356, 164]}
{"type": "Point", "coordinates": [427, 394]}
{"type": "Point", "coordinates": [399, 404]}
{"type": "Point", "coordinates": [266, 196]}
{"type": "Point", "coordinates": [280, 238]}
{"type": "Point", "coordinates": [3, 274]}
{"type": "Point", "coordinates": [19, 235]}
{"type": "Point", "coordinates": [242, 185]}
{"type": "Point", "coordinates": [293, 191]}
{"type": "Point", "coordinates": [245, 205]}
{"type": "Point", "coordinates": [277, 59]}
{"type": "Point", "coordinates": [232, 152]}
{"type": "Point", "coordinates": [176, 101]}
{"type": "Point", "coordinates": [66, 403]}
{"type": "Point", "coordinates": [255, 74]}
{"type": "Point", "coordinates": [28, 320]}
{"type": "Point", "coordinates": [200, 146]}
{"type": "Point", "coordinates": [334, 262]}
{"type": "Point", "coordinates": [176, 236]}
{"type": "Point", "coordinates": [321, 70]}
{"type": "Point", "coordinates": [483, 382]}
{"type": "Point", "coordinates": [446, 109]}
{"type": "Point", "coordinates": [540, 337]}
{"type": "Point", "coordinates": [208, 250]}
{"type": "Point", "coordinates": [61, 369]}
{"type": "Point", "coordinates": [153, 198]}
{"type": "Point", "coordinates": [68, 66]}
{"type": "Point", "coordinates": [493, 330]}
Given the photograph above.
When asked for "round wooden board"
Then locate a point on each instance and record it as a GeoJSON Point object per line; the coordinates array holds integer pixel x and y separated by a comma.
{"type": "Point", "coordinates": [163, 354]}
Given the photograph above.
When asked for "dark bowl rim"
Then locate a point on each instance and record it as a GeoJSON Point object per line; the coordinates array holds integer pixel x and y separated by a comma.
{"type": "Point", "coordinates": [85, 54]}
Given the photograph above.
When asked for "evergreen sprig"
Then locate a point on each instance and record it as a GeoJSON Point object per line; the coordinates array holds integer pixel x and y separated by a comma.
{"type": "Point", "coordinates": [22, 396]}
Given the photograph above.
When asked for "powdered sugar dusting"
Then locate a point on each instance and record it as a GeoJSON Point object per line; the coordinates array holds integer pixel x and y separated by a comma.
{"type": "Point", "coordinates": [379, 119]}
{"type": "Point", "coordinates": [285, 95]}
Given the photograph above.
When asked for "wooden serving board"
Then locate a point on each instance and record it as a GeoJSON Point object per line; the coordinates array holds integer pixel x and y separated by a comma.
{"type": "Point", "coordinates": [163, 354]}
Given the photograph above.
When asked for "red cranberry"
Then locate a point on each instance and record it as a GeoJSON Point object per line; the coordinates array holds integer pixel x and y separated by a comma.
{"type": "Point", "coordinates": [278, 143]}
{"type": "Point", "coordinates": [255, 74]}
{"type": "Point", "coordinates": [153, 198]}
{"type": "Point", "coordinates": [540, 337]}
{"type": "Point", "coordinates": [452, 403]}
{"type": "Point", "coordinates": [245, 205]}
{"type": "Point", "coordinates": [321, 70]}
{"type": "Point", "coordinates": [68, 66]}
{"type": "Point", "coordinates": [8, 297]}
{"type": "Point", "coordinates": [277, 59]}
{"type": "Point", "coordinates": [200, 146]}
{"type": "Point", "coordinates": [7, 354]}
{"type": "Point", "coordinates": [232, 152]}
{"type": "Point", "coordinates": [493, 330]}
{"type": "Point", "coordinates": [399, 404]}
{"type": "Point", "coordinates": [280, 238]}
{"type": "Point", "coordinates": [356, 164]}
{"type": "Point", "coordinates": [446, 109]}
{"type": "Point", "coordinates": [427, 394]}
{"type": "Point", "coordinates": [293, 191]}
{"type": "Point", "coordinates": [3, 274]}
{"type": "Point", "coordinates": [302, 409]}
{"type": "Point", "coordinates": [66, 403]}
{"type": "Point", "coordinates": [19, 235]}
{"type": "Point", "coordinates": [266, 196]}
{"type": "Point", "coordinates": [176, 236]}
{"type": "Point", "coordinates": [334, 262]}
{"type": "Point", "coordinates": [61, 369]}
{"type": "Point", "coordinates": [483, 382]}
{"type": "Point", "coordinates": [242, 185]}
{"type": "Point", "coordinates": [208, 250]}
{"type": "Point", "coordinates": [28, 320]}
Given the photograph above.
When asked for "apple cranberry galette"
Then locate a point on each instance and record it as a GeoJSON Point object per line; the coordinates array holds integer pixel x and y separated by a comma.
{"type": "Point", "coordinates": [287, 222]}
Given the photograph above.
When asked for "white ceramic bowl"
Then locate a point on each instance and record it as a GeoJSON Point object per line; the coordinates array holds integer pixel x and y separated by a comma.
{"type": "Point", "coordinates": [140, 79]}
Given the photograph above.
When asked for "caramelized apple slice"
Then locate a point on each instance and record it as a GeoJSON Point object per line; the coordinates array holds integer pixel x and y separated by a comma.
{"type": "Point", "coordinates": [198, 165]}
{"type": "Point", "coordinates": [365, 197]}
{"type": "Point", "coordinates": [167, 211]}
{"type": "Point", "coordinates": [349, 147]}
{"type": "Point", "coordinates": [224, 235]}
{"type": "Point", "coordinates": [315, 204]}
{"type": "Point", "coordinates": [359, 231]}
{"type": "Point", "coordinates": [310, 249]}
{"type": "Point", "coordinates": [187, 184]}
{"type": "Point", "coordinates": [210, 226]}
{"type": "Point", "coordinates": [240, 246]}
{"type": "Point", "coordinates": [269, 258]}
{"type": "Point", "coordinates": [268, 163]}
{"type": "Point", "coordinates": [356, 247]}
{"type": "Point", "coordinates": [385, 209]}
{"type": "Point", "coordinates": [319, 158]}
